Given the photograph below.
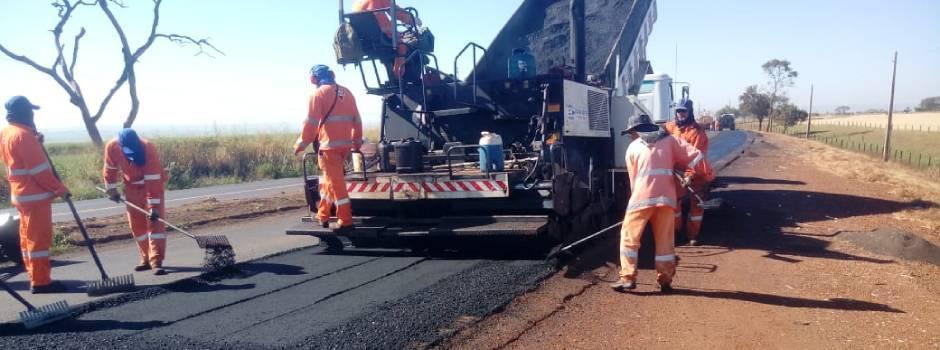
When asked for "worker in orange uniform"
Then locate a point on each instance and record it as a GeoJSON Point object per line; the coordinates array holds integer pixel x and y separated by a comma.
{"type": "Point", "coordinates": [685, 128]}
{"type": "Point", "coordinates": [651, 159]}
{"type": "Point", "coordinates": [385, 23]}
{"type": "Point", "coordinates": [33, 186]}
{"type": "Point", "coordinates": [137, 160]}
{"type": "Point", "coordinates": [334, 127]}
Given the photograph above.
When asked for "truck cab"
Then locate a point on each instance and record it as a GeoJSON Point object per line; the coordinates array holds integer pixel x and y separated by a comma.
{"type": "Point", "coordinates": [656, 95]}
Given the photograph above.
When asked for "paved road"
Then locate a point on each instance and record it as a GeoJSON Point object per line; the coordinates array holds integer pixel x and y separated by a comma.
{"type": "Point", "coordinates": [299, 299]}
{"type": "Point", "coordinates": [102, 207]}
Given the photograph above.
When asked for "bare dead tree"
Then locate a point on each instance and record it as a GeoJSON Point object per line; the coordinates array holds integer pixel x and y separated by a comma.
{"type": "Point", "coordinates": [62, 70]}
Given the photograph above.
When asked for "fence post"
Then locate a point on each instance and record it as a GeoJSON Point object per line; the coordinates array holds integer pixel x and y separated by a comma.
{"type": "Point", "coordinates": [920, 156]}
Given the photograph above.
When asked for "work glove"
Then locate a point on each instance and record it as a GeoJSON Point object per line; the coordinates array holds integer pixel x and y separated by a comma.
{"type": "Point", "coordinates": [687, 180]}
{"type": "Point", "coordinates": [114, 195]}
{"type": "Point", "coordinates": [153, 214]}
{"type": "Point", "coordinates": [40, 137]}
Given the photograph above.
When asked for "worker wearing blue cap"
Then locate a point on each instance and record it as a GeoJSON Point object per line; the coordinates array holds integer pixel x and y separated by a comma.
{"type": "Point", "coordinates": [33, 186]}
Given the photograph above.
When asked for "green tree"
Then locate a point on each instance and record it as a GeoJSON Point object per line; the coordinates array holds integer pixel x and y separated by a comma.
{"type": "Point", "coordinates": [755, 103]}
{"type": "Point", "coordinates": [791, 114]}
{"type": "Point", "coordinates": [843, 109]}
{"type": "Point", "coordinates": [780, 77]}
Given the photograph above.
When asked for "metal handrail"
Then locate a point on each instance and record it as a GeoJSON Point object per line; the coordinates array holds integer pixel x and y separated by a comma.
{"type": "Point", "coordinates": [473, 75]}
{"type": "Point", "coordinates": [450, 169]}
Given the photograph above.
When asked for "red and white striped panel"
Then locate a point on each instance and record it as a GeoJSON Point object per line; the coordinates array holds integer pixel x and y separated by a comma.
{"type": "Point", "coordinates": [465, 189]}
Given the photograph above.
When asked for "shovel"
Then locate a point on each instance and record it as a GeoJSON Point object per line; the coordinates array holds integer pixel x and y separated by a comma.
{"type": "Point", "coordinates": [106, 285]}
{"type": "Point", "coordinates": [557, 251]}
{"type": "Point", "coordinates": [37, 316]}
{"type": "Point", "coordinates": [219, 252]}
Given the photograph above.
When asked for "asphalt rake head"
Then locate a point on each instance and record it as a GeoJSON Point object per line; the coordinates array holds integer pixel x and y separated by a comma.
{"type": "Point", "coordinates": [118, 284]}
{"type": "Point", "coordinates": [45, 314]}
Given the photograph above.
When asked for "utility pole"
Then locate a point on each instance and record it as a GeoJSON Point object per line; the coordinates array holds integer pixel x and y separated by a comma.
{"type": "Point", "coordinates": [894, 74]}
{"type": "Point", "coordinates": [809, 117]}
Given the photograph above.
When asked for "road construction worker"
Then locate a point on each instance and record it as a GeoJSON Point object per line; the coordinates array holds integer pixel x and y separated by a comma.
{"type": "Point", "coordinates": [139, 162]}
{"type": "Point", "coordinates": [385, 23]}
{"type": "Point", "coordinates": [33, 186]}
{"type": "Point", "coordinates": [685, 128]}
{"type": "Point", "coordinates": [651, 159]}
{"type": "Point", "coordinates": [334, 128]}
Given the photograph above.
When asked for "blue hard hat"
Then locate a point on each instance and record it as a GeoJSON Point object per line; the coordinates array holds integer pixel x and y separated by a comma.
{"type": "Point", "coordinates": [323, 73]}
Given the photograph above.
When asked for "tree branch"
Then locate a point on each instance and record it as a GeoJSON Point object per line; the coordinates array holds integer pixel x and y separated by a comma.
{"type": "Point", "coordinates": [184, 40]}
{"type": "Point", "coordinates": [75, 50]}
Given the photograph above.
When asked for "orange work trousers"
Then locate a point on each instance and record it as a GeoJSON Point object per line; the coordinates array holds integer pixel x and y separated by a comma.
{"type": "Point", "coordinates": [149, 235]}
{"type": "Point", "coordinates": [35, 240]}
{"type": "Point", "coordinates": [333, 187]}
{"type": "Point", "coordinates": [696, 214]}
{"type": "Point", "coordinates": [661, 218]}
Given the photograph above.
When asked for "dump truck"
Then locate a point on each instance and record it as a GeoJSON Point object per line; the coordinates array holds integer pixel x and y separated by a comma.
{"type": "Point", "coordinates": [526, 146]}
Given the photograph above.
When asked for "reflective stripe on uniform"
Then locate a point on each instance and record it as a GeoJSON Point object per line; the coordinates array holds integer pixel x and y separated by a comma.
{"type": "Point", "coordinates": [651, 202]}
{"type": "Point", "coordinates": [111, 186]}
{"type": "Point", "coordinates": [696, 218]}
{"type": "Point", "coordinates": [678, 214]}
{"type": "Point", "coordinates": [339, 202]}
{"type": "Point", "coordinates": [333, 119]}
{"type": "Point", "coordinates": [153, 201]}
{"type": "Point", "coordinates": [630, 254]}
{"type": "Point", "coordinates": [665, 258]}
{"type": "Point", "coordinates": [141, 182]}
{"type": "Point", "coordinates": [111, 167]}
{"type": "Point", "coordinates": [151, 177]}
{"type": "Point", "coordinates": [697, 160]}
{"type": "Point", "coordinates": [160, 235]}
{"type": "Point", "coordinates": [39, 254]}
{"type": "Point", "coordinates": [141, 238]}
{"type": "Point", "coordinates": [336, 143]}
{"type": "Point", "coordinates": [655, 172]}
{"type": "Point", "coordinates": [31, 171]}
{"type": "Point", "coordinates": [32, 197]}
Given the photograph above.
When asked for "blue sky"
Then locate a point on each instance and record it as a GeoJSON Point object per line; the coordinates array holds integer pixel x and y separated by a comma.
{"type": "Point", "coordinates": [843, 47]}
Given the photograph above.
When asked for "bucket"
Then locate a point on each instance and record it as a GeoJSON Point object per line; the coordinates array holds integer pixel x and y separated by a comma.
{"type": "Point", "coordinates": [491, 152]}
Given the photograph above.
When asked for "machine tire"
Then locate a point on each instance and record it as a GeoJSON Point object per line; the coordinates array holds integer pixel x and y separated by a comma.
{"type": "Point", "coordinates": [10, 245]}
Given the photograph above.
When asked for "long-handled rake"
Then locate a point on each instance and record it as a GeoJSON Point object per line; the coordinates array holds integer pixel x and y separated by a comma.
{"type": "Point", "coordinates": [33, 316]}
{"type": "Point", "coordinates": [106, 285]}
{"type": "Point", "coordinates": [713, 203]}
{"type": "Point", "coordinates": [219, 252]}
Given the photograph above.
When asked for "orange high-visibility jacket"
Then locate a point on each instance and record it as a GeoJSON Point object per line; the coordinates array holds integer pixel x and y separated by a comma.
{"type": "Point", "coordinates": [693, 134]}
{"type": "Point", "coordinates": [382, 17]}
{"type": "Point", "coordinates": [342, 130]}
{"type": "Point", "coordinates": [151, 175]}
{"type": "Point", "coordinates": [651, 168]}
{"type": "Point", "coordinates": [28, 170]}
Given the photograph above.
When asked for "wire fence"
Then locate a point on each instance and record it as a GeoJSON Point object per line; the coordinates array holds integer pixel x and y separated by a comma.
{"type": "Point", "coordinates": [874, 125]}
{"type": "Point", "coordinates": [917, 160]}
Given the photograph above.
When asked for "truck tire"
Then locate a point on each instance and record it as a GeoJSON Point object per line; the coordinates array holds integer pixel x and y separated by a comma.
{"type": "Point", "coordinates": [10, 241]}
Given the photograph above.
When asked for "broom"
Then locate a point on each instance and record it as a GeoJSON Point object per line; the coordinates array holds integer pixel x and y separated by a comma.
{"type": "Point", "coordinates": [37, 316]}
{"type": "Point", "coordinates": [106, 285]}
{"type": "Point", "coordinates": [219, 252]}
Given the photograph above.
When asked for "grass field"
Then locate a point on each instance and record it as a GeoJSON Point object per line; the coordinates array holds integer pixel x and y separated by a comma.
{"type": "Point", "coordinates": [915, 148]}
{"type": "Point", "coordinates": [924, 121]}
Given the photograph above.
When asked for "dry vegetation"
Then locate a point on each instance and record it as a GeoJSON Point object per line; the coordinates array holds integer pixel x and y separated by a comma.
{"type": "Point", "coordinates": [901, 120]}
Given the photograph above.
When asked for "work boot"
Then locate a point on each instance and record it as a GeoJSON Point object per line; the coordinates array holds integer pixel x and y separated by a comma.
{"type": "Point", "coordinates": [53, 287]}
{"type": "Point", "coordinates": [144, 266]}
{"type": "Point", "coordinates": [324, 223]}
{"type": "Point", "coordinates": [158, 271]}
{"type": "Point", "coordinates": [665, 288]}
{"type": "Point", "coordinates": [693, 243]}
{"type": "Point", "coordinates": [623, 285]}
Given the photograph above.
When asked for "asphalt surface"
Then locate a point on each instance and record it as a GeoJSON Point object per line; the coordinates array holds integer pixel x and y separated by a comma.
{"type": "Point", "coordinates": [305, 298]}
{"type": "Point", "coordinates": [101, 207]}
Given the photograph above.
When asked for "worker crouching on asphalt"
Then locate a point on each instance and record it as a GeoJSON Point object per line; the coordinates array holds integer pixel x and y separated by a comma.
{"type": "Point", "coordinates": [651, 159]}
{"type": "Point", "coordinates": [334, 127]}
{"type": "Point", "coordinates": [685, 128]}
{"type": "Point", "coordinates": [139, 162]}
{"type": "Point", "coordinates": [33, 186]}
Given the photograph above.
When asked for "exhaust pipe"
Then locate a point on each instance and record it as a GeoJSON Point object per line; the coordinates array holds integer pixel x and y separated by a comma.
{"type": "Point", "coordinates": [577, 39]}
